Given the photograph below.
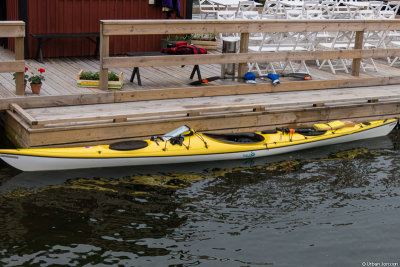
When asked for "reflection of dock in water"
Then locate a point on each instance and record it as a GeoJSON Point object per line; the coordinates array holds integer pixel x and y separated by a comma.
{"type": "Point", "coordinates": [187, 172]}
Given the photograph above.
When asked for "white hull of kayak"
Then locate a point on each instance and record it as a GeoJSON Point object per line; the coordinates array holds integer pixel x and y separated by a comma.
{"type": "Point", "coordinates": [38, 163]}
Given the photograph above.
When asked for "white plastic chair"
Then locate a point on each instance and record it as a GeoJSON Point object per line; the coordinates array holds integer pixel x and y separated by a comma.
{"type": "Point", "coordinates": [272, 9]}
{"type": "Point", "coordinates": [342, 40]}
{"type": "Point", "coordinates": [392, 6]}
{"type": "Point", "coordinates": [311, 5]}
{"type": "Point", "coordinates": [376, 7]}
{"type": "Point", "coordinates": [372, 39]}
{"type": "Point", "coordinates": [313, 14]}
{"type": "Point", "coordinates": [227, 15]}
{"type": "Point", "coordinates": [294, 14]}
{"type": "Point", "coordinates": [207, 9]}
{"type": "Point", "coordinates": [245, 6]}
{"type": "Point", "coordinates": [386, 14]}
{"type": "Point", "coordinates": [328, 8]}
{"type": "Point", "coordinates": [365, 14]}
{"type": "Point", "coordinates": [278, 42]}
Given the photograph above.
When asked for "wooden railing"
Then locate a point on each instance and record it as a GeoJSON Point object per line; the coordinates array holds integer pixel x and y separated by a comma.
{"type": "Point", "coordinates": [15, 29]}
{"type": "Point", "coordinates": [244, 27]}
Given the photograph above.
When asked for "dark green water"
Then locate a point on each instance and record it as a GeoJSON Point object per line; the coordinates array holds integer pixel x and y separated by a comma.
{"type": "Point", "coordinates": [332, 206]}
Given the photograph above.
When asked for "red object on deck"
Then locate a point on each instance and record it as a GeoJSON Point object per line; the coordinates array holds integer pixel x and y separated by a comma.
{"type": "Point", "coordinates": [83, 16]}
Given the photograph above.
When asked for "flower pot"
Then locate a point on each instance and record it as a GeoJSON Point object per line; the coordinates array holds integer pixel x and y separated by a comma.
{"type": "Point", "coordinates": [36, 88]}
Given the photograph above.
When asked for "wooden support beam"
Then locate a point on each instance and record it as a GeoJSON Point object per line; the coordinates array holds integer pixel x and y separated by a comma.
{"type": "Point", "coordinates": [104, 52]}
{"type": "Point", "coordinates": [156, 61]}
{"type": "Point", "coordinates": [145, 27]}
{"type": "Point", "coordinates": [12, 29]}
{"type": "Point", "coordinates": [358, 44]}
{"type": "Point", "coordinates": [12, 66]}
{"type": "Point", "coordinates": [244, 48]}
{"type": "Point", "coordinates": [19, 55]}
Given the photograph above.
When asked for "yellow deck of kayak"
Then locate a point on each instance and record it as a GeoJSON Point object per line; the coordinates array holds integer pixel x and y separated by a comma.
{"type": "Point", "coordinates": [196, 145]}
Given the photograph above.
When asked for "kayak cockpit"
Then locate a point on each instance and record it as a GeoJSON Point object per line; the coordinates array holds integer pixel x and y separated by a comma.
{"type": "Point", "coordinates": [128, 145]}
{"type": "Point", "coordinates": [238, 138]}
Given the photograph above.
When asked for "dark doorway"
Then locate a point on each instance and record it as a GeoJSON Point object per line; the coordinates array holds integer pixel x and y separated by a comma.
{"type": "Point", "coordinates": [3, 16]}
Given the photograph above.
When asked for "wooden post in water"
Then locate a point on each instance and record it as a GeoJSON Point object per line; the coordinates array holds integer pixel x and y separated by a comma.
{"type": "Point", "coordinates": [244, 48]}
{"type": "Point", "coordinates": [104, 52]}
{"type": "Point", "coordinates": [19, 76]}
{"type": "Point", "coordinates": [358, 44]}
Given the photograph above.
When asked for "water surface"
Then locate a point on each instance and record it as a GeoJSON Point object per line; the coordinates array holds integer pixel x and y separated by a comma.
{"type": "Point", "coordinates": [331, 206]}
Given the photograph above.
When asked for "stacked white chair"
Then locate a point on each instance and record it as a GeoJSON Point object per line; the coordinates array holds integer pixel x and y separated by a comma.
{"type": "Point", "coordinates": [245, 6]}
{"type": "Point", "coordinates": [342, 40]}
{"type": "Point", "coordinates": [207, 9]}
{"type": "Point", "coordinates": [376, 7]}
{"type": "Point", "coordinates": [393, 6]}
{"type": "Point", "coordinates": [272, 9]}
{"type": "Point", "coordinates": [328, 9]}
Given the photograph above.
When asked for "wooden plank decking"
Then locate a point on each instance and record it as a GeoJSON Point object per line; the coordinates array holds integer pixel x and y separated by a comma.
{"type": "Point", "coordinates": [61, 114]}
{"type": "Point", "coordinates": [61, 77]}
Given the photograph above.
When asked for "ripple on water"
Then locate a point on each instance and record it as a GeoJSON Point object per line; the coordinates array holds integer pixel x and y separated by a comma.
{"type": "Point", "coordinates": [340, 209]}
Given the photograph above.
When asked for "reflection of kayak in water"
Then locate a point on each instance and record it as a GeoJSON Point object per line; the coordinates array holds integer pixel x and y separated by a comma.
{"type": "Point", "coordinates": [185, 145]}
{"type": "Point", "coordinates": [40, 179]}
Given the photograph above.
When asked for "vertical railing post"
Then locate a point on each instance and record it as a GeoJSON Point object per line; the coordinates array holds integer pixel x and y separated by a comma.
{"type": "Point", "coordinates": [104, 52]}
{"type": "Point", "coordinates": [19, 76]}
{"type": "Point", "coordinates": [358, 44]}
{"type": "Point", "coordinates": [244, 48]}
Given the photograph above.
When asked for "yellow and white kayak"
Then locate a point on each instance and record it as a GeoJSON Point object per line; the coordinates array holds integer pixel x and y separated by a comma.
{"type": "Point", "coordinates": [186, 145]}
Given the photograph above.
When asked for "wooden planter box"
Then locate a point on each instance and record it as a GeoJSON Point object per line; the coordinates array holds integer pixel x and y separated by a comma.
{"type": "Point", "coordinates": [209, 45]}
{"type": "Point", "coordinates": [94, 83]}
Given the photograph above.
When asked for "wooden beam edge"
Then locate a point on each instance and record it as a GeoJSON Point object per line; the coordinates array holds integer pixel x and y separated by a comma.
{"type": "Point", "coordinates": [12, 66]}
{"type": "Point", "coordinates": [226, 115]}
{"type": "Point", "coordinates": [241, 88]}
{"type": "Point", "coordinates": [21, 112]}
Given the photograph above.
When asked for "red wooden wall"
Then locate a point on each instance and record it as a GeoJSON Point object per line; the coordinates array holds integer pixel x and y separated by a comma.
{"type": "Point", "coordinates": [74, 16]}
{"type": "Point", "coordinates": [12, 14]}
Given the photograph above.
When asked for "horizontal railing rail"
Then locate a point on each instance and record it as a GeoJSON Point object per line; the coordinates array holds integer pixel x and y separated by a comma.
{"type": "Point", "coordinates": [15, 29]}
{"type": "Point", "coordinates": [244, 27]}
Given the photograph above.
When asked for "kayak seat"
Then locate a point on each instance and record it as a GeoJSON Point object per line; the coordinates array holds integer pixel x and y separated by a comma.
{"type": "Point", "coordinates": [129, 145]}
{"type": "Point", "coordinates": [241, 138]}
{"type": "Point", "coordinates": [310, 132]}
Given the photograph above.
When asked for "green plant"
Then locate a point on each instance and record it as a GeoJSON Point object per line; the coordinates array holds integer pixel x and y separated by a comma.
{"type": "Point", "coordinates": [178, 37]}
{"type": "Point", "coordinates": [203, 36]}
{"type": "Point", "coordinates": [37, 78]}
{"type": "Point", "coordinates": [88, 75]}
{"type": "Point", "coordinates": [112, 76]}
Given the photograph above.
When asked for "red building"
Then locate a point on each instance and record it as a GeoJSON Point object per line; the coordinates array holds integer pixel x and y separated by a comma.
{"type": "Point", "coordinates": [83, 16]}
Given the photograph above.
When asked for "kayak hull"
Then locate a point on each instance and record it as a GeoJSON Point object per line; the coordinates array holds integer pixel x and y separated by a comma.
{"type": "Point", "coordinates": [40, 163]}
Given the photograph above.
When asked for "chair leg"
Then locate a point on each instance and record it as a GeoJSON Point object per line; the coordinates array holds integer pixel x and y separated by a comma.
{"type": "Point", "coordinates": [134, 72]}
{"type": "Point", "coordinates": [196, 68]}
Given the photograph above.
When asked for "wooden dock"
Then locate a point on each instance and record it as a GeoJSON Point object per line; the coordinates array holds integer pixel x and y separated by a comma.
{"type": "Point", "coordinates": [67, 115]}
